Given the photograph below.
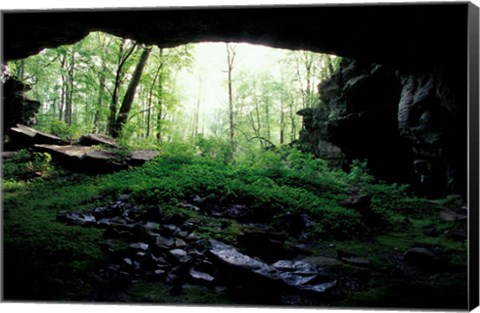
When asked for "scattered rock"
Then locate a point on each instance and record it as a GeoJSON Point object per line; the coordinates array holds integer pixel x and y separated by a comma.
{"type": "Point", "coordinates": [298, 274]}
{"type": "Point", "coordinates": [139, 246]}
{"type": "Point", "coordinates": [178, 253]}
{"type": "Point", "coordinates": [163, 242]}
{"type": "Point", "coordinates": [201, 276]}
{"type": "Point", "coordinates": [190, 206]}
{"type": "Point", "coordinates": [457, 234]}
{"type": "Point", "coordinates": [450, 216]}
{"type": "Point", "coordinates": [419, 256]}
{"type": "Point", "coordinates": [230, 256]}
{"type": "Point", "coordinates": [198, 200]}
{"type": "Point", "coordinates": [179, 243]}
{"type": "Point", "coordinates": [76, 218]}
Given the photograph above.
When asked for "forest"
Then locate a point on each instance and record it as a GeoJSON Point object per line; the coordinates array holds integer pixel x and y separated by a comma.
{"type": "Point", "coordinates": [229, 207]}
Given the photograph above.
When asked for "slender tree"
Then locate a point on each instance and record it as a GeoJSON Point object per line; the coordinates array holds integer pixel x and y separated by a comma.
{"type": "Point", "coordinates": [230, 65]}
{"type": "Point", "coordinates": [125, 52]}
{"type": "Point", "coordinates": [130, 94]}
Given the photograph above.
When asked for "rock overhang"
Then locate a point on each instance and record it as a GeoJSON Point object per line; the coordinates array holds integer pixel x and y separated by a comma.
{"type": "Point", "coordinates": [401, 35]}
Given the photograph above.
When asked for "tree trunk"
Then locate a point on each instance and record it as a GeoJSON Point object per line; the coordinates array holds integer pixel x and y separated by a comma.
{"type": "Point", "coordinates": [61, 106]}
{"type": "Point", "coordinates": [230, 64]}
{"type": "Point", "coordinates": [122, 58]}
{"type": "Point", "coordinates": [150, 97]}
{"type": "Point", "coordinates": [282, 122]}
{"type": "Point", "coordinates": [98, 113]}
{"type": "Point", "coordinates": [160, 104]}
{"type": "Point", "coordinates": [69, 96]}
{"type": "Point", "coordinates": [197, 111]}
{"type": "Point", "coordinates": [294, 127]}
{"type": "Point", "coordinates": [130, 94]}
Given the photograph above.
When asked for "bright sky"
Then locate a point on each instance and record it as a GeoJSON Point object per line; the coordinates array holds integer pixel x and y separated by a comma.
{"type": "Point", "coordinates": [211, 64]}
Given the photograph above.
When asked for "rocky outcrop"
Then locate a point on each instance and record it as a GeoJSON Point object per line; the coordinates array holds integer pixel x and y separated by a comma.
{"type": "Point", "coordinates": [17, 107]}
{"type": "Point", "coordinates": [406, 124]}
{"type": "Point", "coordinates": [24, 136]}
{"type": "Point", "coordinates": [97, 139]}
{"type": "Point", "coordinates": [92, 153]}
{"type": "Point", "coordinates": [395, 33]}
{"type": "Point", "coordinates": [94, 159]}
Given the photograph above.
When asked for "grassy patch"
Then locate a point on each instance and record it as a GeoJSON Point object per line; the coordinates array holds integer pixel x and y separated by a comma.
{"type": "Point", "coordinates": [47, 260]}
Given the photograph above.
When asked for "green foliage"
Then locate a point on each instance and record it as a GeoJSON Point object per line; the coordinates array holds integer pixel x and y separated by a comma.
{"type": "Point", "coordinates": [61, 129]}
{"type": "Point", "coordinates": [216, 149]}
{"type": "Point", "coordinates": [25, 165]}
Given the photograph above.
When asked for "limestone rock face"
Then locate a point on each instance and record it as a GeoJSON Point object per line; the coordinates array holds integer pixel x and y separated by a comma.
{"type": "Point", "coordinates": [17, 108]}
{"type": "Point", "coordinates": [407, 124]}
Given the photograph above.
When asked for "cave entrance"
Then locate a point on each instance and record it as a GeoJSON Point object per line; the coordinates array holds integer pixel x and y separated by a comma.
{"type": "Point", "coordinates": [233, 92]}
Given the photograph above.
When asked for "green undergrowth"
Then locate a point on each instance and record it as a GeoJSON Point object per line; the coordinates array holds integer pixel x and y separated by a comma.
{"type": "Point", "coordinates": [47, 260]}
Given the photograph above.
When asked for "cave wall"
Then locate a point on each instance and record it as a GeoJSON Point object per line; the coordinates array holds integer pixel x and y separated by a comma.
{"type": "Point", "coordinates": [409, 125]}
{"type": "Point", "coordinates": [17, 107]}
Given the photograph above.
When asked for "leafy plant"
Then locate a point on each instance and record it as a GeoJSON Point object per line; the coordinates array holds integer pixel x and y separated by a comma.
{"type": "Point", "coordinates": [26, 165]}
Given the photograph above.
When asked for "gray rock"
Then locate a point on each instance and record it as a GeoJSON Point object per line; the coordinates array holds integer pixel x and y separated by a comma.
{"type": "Point", "coordinates": [178, 253]}
{"type": "Point", "coordinates": [179, 243]}
{"type": "Point", "coordinates": [76, 218]}
{"type": "Point", "coordinates": [97, 139]}
{"type": "Point", "coordinates": [139, 246]}
{"type": "Point", "coordinates": [201, 276]}
{"type": "Point", "coordinates": [230, 256]}
{"type": "Point", "coordinates": [128, 261]}
{"type": "Point", "coordinates": [297, 274]}
{"type": "Point", "coordinates": [163, 242]}
{"type": "Point", "coordinates": [139, 157]}
{"type": "Point", "coordinates": [419, 255]}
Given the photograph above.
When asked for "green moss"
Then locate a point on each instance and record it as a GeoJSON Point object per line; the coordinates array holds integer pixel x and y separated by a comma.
{"type": "Point", "coordinates": [161, 293]}
{"type": "Point", "coordinates": [48, 260]}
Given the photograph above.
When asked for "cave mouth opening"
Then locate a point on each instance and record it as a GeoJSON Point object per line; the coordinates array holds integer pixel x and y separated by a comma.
{"type": "Point", "coordinates": [180, 93]}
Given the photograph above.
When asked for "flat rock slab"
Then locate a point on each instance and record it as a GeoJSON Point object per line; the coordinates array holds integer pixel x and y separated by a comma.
{"type": "Point", "coordinates": [96, 139]}
{"type": "Point", "coordinates": [72, 151]}
{"type": "Point", "coordinates": [230, 256]}
{"type": "Point", "coordinates": [7, 154]}
{"type": "Point", "coordinates": [297, 274]}
{"type": "Point", "coordinates": [26, 135]}
{"type": "Point", "coordinates": [138, 157]}
{"type": "Point", "coordinates": [450, 216]}
{"type": "Point", "coordinates": [94, 159]}
{"type": "Point", "coordinates": [100, 155]}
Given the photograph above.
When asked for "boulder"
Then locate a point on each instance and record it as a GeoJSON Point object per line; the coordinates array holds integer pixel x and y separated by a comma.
{"type": "Point", "coordinates": [23, 135]}
{"type": "Point", "coordinates": [420, 256]}
{"type": "Point", "coordinates": [200, 276]}
{"type": "Point", "coordinates": [299, 275]}
{"type": "Point", "coordinates": [17, 107]}
{"type": "Point", "coordinates": [76, 218]}
{"type": "Point", "coordinates": [139, 157]}
{"type": "Point", "coordinates": [230, 256]}
{"type": "Point", "coordinates": [6, 155]}
{"type": "Point", "coordinates": [267, 245]}
{"type": "Point", "coordinates": [97, 139]}
{"type": "Point", "coordinates": [451, 215]}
